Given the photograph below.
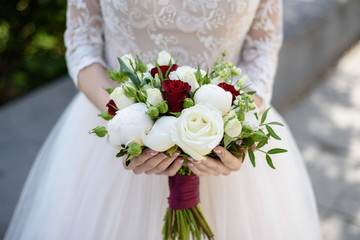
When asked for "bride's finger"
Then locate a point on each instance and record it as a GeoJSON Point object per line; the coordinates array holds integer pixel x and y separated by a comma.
{"type": "Point", "coordinates": [217, 166]}
{"type": "Point", "coordinates": [145, 155]}
{"type": "Point", "coordinates": [174, 168]}
{"type": "Point", "coordinates": [150, 163]}
{"type": "Point", "coordinates": [228, 159]}
{"type": "Point", "coordinates": [202, 166]}
{"type": "Point", "coordinates": [162, 166]}
{"type": "Point", "coordinates": [196, 170]}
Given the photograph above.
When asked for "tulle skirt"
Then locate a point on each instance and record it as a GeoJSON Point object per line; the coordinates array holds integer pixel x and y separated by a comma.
{"type": "Point", "coordinates": [77, 189]}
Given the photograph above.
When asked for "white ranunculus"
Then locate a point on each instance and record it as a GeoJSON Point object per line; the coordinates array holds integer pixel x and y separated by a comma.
{"type": "Point", "coordinates": [215, 97]}
{"type": "Point", "coordinates": [159, 138]}
{"type": "Point", "coordinates": [198, 130]}
{"type": "Point", "coordinates": [120, 99]}
{"type": "Point", "coordinates": [185, 74]}
{"type": "Point", "coordinates": [250, 119]}
{"type": "Point", "coordinates": [126, 59]}
{"type": "Point", "coordinates": [154, 96]}
{"type": "Point", "coordinates": [129, 125]}
{"type": "Point", "coordinates": [233, 127]}
{"type": "Point", "coordinates": [164, 58]}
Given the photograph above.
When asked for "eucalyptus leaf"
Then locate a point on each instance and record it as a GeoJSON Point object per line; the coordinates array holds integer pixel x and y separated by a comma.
{"type": "Point", "coordinates": [252, 157]}
{"type": "Point", "coordinates": [275, 123]}
{"type": "Point", "coordinates": [276, 151]}
{"type": "Point", "coordinates": [269, 161]}
{"type": "Point", "coordinates": [263, 118]}
{"type": "Point", "coordinates": [272, 132]}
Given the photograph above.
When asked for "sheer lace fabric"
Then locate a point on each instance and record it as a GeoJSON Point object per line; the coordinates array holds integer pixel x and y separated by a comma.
{"type": "Point", "coordinates": [195, 32]}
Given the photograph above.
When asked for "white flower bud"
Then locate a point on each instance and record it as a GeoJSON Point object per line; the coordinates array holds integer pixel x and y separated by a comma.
{"type": "Point", "coordinates": [164, 58]}
{"type": "Point", "coordinates": [120, 98]}
{"type": "Point", "coordinates": [154, 96]}
{"type": "Point", "coordinates": [233, 127]}
{"type": "Point", "coordinates": [127, 58]}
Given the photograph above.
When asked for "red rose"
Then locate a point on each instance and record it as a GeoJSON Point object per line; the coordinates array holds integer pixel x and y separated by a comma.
{"type": "Point", "coordinates": [229, 88]}
{"type": "Point", "coordinates": [112, 108]}
{"type": "Point", "coordinates": [164, 69]}
{"type": "Point", "coordinates": [175, 93]}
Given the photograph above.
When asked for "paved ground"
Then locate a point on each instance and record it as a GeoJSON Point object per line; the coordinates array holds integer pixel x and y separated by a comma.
{"type": "Point", "coordinates": [325, 122]}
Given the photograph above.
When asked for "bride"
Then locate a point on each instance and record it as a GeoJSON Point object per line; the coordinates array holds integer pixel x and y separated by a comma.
{"type": "Point", "coordinates": [78, 190]}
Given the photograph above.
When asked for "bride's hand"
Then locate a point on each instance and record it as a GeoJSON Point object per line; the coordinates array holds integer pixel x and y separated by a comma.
{"type": "Point", "coordinates": [216, 167]}
{"type": "Point", "coordinates": [152, 162]}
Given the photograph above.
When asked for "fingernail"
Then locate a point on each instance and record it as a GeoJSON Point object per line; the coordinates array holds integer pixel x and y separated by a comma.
{"type": "Point", "coordinates": [180, 162]}
{"type": "Point", "coordinates": [218, 151]}
{"type": "Point", "coordinates": [190, 159]}
{"type": "Point", "coordinates": [190, 164]}
{"type": "Point", "coordinates": [176, 154]}
{"type": "Point", "coordinates": [152, 153]}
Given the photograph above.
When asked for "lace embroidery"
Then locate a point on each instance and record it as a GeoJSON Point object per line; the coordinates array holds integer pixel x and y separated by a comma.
{"type": "Point", "coordinates": [194, 31]}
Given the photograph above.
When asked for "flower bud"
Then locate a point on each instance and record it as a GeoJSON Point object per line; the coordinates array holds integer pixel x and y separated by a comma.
{"type": "Point", "coordinates": [134, 149]}
{"type": "Point", "coordinates": [164, 58]}
{"type": "Point", "coordinates": [157, 81]}
{"type": "Point", "coordinates": [162, 107]}
{"type": "Point", "coordinates": [233, 128]}
{"type": "Point", "coordinates": [224, 72]}
{"type": "Point", "coordinates": [100, 131]}
{"type": "Point", "coordinates": [153, 112]}
{"type": "Point", "coordinates": [142, 96]}
{"type": "Point", "coordinates": [235, 71]}
{"type": "Point", "coordinates": [252, 106]}
{"type": "Point", "coordinates": [154, 96]}
{"type": "Point", "coordinates": [188, 102]}
{"type": "Point", "coordinates": [129, 90]}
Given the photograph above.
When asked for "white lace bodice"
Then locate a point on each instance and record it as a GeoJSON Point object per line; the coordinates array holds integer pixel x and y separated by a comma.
{"type": "Point", "coordinates": [195, 32]}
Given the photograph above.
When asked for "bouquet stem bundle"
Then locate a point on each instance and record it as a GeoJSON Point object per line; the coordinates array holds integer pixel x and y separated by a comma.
{"type": "Point", "coordinates": [184, 215]}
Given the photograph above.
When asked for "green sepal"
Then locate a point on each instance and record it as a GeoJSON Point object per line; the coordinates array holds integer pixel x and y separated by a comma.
{"type": "Point", "coordinates": [173, 149]}
{"type": "Point", "coordinates": [176, 114]}
{"type": "Point", "coordinates": [109, 90]}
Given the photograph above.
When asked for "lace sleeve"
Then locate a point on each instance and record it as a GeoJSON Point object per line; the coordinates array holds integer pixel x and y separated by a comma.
{"type": "Point", "coordinates": [83, 36]}
{"type": "Point", "coordinates": [259, 54]}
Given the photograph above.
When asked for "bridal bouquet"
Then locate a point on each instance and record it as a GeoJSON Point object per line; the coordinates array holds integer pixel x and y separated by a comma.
{"type": "Point", "coordinates": [167, 107]}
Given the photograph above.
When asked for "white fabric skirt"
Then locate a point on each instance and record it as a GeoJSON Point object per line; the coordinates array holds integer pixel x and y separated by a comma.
{"type": "Point", "coordinates": [77, 189]}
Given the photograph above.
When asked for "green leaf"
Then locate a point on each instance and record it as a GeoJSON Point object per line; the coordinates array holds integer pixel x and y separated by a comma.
{"type": "Point", "coordinates": [272, 132]}
{"type": "Point", "coordinates": [227, 140]}
{"type": "Point", "coordinates": [262, 143]}
{"type": "Point", "coordinates": [263, 118]}
{"type": "Point", "coordinates": [240, 115]}
{"type": "Point", "coordinates": [176, 114]}
{"type": "Point", "coordinates": [173, 149]}
{"type": "Point", "coordinates": [133, 77]}
{"type": "Point", "coordinates": [276, 150]}
{"type": "Point", "coordinates": [105, 115]}
{"type": "Point", "coordinates": [275, 123]}
{"type": "Point", "coordinates": [243, 157]}
{"type": "Point", "coordinates": [252, 157]}
{"type": "Point", "coordinates": [251, 92]}
{"type": "Point", "coordinates": [269, 161]}
{"type": "Point", "coordinates": [166, 154]}
{"type": "Point", "coordinates": [258, 136]}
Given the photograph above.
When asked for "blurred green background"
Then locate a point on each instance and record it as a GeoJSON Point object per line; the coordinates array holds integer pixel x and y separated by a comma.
{"type": "Point", "coordinates": [31, 45]}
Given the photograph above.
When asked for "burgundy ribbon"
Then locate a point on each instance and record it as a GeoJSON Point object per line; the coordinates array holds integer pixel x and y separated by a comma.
{"type": "Point", "coordinates": [184, 192]}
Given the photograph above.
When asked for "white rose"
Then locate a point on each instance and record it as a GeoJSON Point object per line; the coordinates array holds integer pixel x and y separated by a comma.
{"type": "Point", "coordinates": [129, 125]}
{"type": "Point", "coordinates": [154, 96]}
{"type": "Point", "coordinates": [159, 138]}
{"type": "Point", "coordinates": [120, 99]}
{"type": "Point", "coordinates": [164, 58]}
{"type": "Point", "coordinates": [126, 59]}
{"type": "Point", "coordinates": [215, 97]}
{"type": "Point", "coordinates": [185, 74]}
{"type": "Point", "coordinates": [233, 127]}
{"type": "Point", "coordinates": [250, 119]}
{"type": "Point", "coordinates": [198, 130]}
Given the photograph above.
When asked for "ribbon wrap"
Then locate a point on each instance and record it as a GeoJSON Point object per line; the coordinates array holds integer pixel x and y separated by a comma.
{"type": "Point", "coordinates": [184, 191]}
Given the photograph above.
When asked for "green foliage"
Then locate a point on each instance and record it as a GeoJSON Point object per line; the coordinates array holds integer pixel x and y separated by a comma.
{"type": "Point", "coordinates": [31, 45]}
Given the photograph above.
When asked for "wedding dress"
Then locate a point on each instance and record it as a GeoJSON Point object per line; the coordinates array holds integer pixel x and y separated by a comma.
{"type": "Point", "coordinates": [77, 189]}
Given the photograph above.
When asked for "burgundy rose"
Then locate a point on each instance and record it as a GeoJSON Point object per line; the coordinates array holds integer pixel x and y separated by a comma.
{"type": "Point", "coordinates": [112, 108]}
{"type": "Point", "coordinates": [175, 93]}
{"type": "Point", "coordinates": [229, 88]}
{"type": "Point", "coordinates": [164, 69]}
